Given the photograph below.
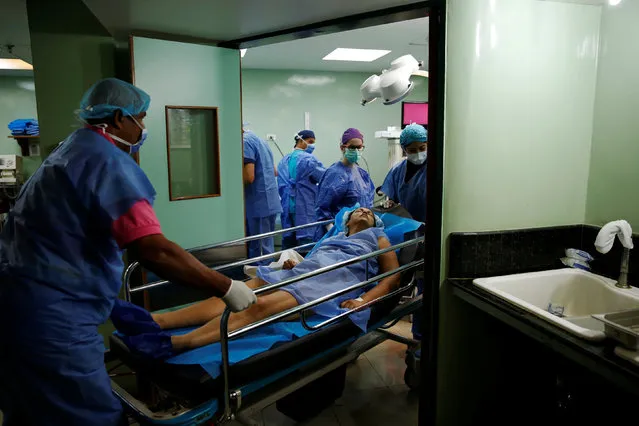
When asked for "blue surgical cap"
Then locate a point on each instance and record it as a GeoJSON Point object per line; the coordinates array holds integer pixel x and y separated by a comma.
{"type": "Point", "coordinates": [305, 134]}
{"type": "Point", "coordinates": [109, 95]}
{"type": "Point", "coordinates": [413, 133]}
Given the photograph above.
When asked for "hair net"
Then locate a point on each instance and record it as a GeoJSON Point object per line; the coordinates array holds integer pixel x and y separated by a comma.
{"type": "Point", "coordinates": [347, 217]}
{"type": "Point", "coordinates": [351, 133]}
{"type": "Point", "coordinates": [413, 133]}
{"type": "Point", "coordinates": [109, 95]}
{"type": "Point", "coordinates": [304, 134]}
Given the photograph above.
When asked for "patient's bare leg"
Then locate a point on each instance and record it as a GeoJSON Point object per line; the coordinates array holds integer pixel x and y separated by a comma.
{"type": "Point", "coordinates": [198, 313]}
{"type": "Point", "coordinates": [266, 306]}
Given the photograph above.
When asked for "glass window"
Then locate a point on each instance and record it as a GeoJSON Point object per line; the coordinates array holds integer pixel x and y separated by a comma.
{"type": "Point", "coordinates": [193, 152]}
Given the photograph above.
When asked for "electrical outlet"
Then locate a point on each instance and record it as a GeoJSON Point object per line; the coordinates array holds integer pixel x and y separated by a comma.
{"type": "Point", "coordinates": [271, 137]}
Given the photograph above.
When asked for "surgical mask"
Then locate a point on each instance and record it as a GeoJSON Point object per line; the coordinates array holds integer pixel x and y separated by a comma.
{"type": "Point", "coordinates": [133, 147]}
{"type": "Point", "coordinates": [417, 159]}
{"type": "Point", "coordinates": [310, 148]}
{"type": "Point", "coordinates": [353, 156]}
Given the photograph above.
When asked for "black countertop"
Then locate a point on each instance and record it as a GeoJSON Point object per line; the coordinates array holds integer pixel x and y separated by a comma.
{"type": "Point", "coordinates": [599, 358]}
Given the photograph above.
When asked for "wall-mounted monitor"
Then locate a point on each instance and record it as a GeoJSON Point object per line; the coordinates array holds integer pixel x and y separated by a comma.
{"type": "Point", "coordinates": [414, 112]}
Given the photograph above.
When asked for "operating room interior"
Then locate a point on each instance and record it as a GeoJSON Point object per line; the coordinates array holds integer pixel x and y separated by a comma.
{"type": "Point", "coordinates": [530, 110]}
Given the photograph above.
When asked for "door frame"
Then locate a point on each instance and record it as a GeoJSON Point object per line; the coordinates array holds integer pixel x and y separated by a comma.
{"type": "Point", "coordinates": [436, 11]}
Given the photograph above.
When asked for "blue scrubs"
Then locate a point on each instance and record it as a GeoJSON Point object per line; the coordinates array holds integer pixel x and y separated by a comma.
{"type": "Point", "coordinates": [411, 194]}
{"type": "Point", "coordinates": [60, 273]}
{"type": "Point", "coordinates": [262, 201]}
{"type": "Point", "coordinates": [343, 186]}
{"type": "Point", "coordinates": [297, 177]}
{"type": "Point", "coordinates": [331, 251]}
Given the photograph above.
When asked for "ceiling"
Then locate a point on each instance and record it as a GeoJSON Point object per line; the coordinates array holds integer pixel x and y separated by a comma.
{"type": "Point", "coordinates": [223, 20]}
{"type": "Point", "coordinates": [401, 38]}
{"type": "Point", "coordinates": [214, 20]}
{"type": "Point", "coordinates": [14, 29]}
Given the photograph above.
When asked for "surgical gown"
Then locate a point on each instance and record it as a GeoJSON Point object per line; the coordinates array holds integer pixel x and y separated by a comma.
{"type": "Point", "coordinates": [60, 273]}
{"type": "Point", "coordinates": [297, 177]}
{"type": "Point", "coordinates": [343, 186]}
{"type": "Point", "coordinates": [411, 194]}
{"type": "Point", "coordinates": [331, 251]}
{"type": "Point", "coordinates": [262, 201]}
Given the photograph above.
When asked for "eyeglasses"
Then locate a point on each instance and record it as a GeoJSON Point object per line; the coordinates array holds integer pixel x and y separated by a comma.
{"type": "Point", "coordinates": [416, 150]}
{"type": "Point", "coordinates": [355, 148]}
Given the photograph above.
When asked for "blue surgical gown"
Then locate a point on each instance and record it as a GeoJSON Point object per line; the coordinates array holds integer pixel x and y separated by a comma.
{"type": "Point", "coordinates": [411, 194]}
{"type": "Point", "coordinates": [343, 186]}
{"type": "Point", "coordinates": [297, 177]}
{"type": "Point", "coordinates": [331, 251]}
{"type": "Point", "coordinates": [60, 273]}
{"type": "Point", "coordinates": [261, 199]}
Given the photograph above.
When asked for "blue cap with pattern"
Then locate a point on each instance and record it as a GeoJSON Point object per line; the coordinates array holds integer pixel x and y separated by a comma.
{"type": "Point", "coordinates": [413, 133]}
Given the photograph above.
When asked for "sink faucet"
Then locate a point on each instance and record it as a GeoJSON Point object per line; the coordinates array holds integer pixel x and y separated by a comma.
{"type": "Point", "coordinates": [606, 238]}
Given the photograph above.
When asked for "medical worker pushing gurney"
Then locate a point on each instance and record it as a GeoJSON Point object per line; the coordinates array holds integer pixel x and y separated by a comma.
{"type": "Point", "coordinates": [61, 264]}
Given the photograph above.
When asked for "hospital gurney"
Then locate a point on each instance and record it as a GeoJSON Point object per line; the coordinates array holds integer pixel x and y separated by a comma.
{"type": "Point", "coordinates": [315, 359]}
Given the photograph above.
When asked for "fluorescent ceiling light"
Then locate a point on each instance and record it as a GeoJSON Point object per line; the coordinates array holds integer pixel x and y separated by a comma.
{"type": "Point", "coordinates": [355, 55]}
{"type": "Point", "coordinates": [14, 64]}
{"type": "Point", "coordinates": [614, 2]}
{"type": "Point", "coordinates": [243, 52]}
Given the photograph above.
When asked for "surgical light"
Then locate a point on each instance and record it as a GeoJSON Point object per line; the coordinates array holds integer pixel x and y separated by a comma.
{"type": "Point", "coordinates": [614, 2]}
{"type": "Point", "coordinates": [394, 84]}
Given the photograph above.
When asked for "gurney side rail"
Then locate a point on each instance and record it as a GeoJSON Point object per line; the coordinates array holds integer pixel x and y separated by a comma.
{"type": "Point", "coordinates": [264, 235]}
{"type": "Point", "coordinates": [225, 336]}
{"type": "Point", "coordinates": [129, 271]}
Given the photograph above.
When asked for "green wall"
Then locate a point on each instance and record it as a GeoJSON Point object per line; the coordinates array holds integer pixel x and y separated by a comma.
{"type": "Point", "coordinates": [520, 92]}
{"type": "Point", "coordinates": [614, 175]}
{"type": "Point", "coordinates": [17, 100]}
{"type": "Point", "coordinates": [181, 74]}
{"type": "Point", "coordinates": [71, 51]}
{"type": "Point", "coordinates": [274, 101]}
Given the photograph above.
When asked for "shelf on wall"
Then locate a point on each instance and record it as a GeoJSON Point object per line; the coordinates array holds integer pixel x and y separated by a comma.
{"type": "Point", "coordinates": [23, 141]}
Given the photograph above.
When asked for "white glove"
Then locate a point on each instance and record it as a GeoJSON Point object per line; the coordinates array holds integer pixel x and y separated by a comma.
{"type": "Point", "coordinates": [388, 204]}
{"type": "Point", "coordinates": [239, 296]}
{"type": "Point", "coordinates": [329, 226]}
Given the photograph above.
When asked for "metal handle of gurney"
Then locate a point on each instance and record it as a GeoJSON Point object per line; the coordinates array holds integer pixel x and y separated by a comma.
{"type": "Point", "coordinates": [225, 336]}
{"type": "Point", "coordinates": [361, 307]}
{"type": "Point", "coordinates": [128, 273]}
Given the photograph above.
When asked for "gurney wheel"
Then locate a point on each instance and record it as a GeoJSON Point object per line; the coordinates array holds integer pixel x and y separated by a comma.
{"type": "Point", "coordinates": [411, 378]}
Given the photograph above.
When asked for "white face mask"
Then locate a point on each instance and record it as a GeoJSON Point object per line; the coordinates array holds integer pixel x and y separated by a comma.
{"type": "Point", "coordinates": [417, 159]}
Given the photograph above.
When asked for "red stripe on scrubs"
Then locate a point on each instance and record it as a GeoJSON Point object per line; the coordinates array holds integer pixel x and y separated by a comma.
{"type": "Point", "coordinates": [140, 221]}
{"type": "Point", "coordinates": [102, 133]}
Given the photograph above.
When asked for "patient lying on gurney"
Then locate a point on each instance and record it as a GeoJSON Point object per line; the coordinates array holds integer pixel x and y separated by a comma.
{"type": "Point", "coordinates": [144, 332]}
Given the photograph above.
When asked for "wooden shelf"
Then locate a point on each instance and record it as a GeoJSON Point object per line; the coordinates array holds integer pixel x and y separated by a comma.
{"type": "Point", "coordinates": [24, 137]}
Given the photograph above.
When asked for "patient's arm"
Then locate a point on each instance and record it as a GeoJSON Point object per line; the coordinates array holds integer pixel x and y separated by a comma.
{"type": "Point", "coordinates": [387, 262]}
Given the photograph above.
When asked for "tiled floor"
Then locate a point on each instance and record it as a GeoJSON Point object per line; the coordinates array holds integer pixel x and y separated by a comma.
{"type": "Point", "coordinates": [375, 392]}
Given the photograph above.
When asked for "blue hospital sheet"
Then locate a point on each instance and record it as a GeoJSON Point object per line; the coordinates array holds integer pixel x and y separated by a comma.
{"type": "Point", "coordinates": [241, 348]}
